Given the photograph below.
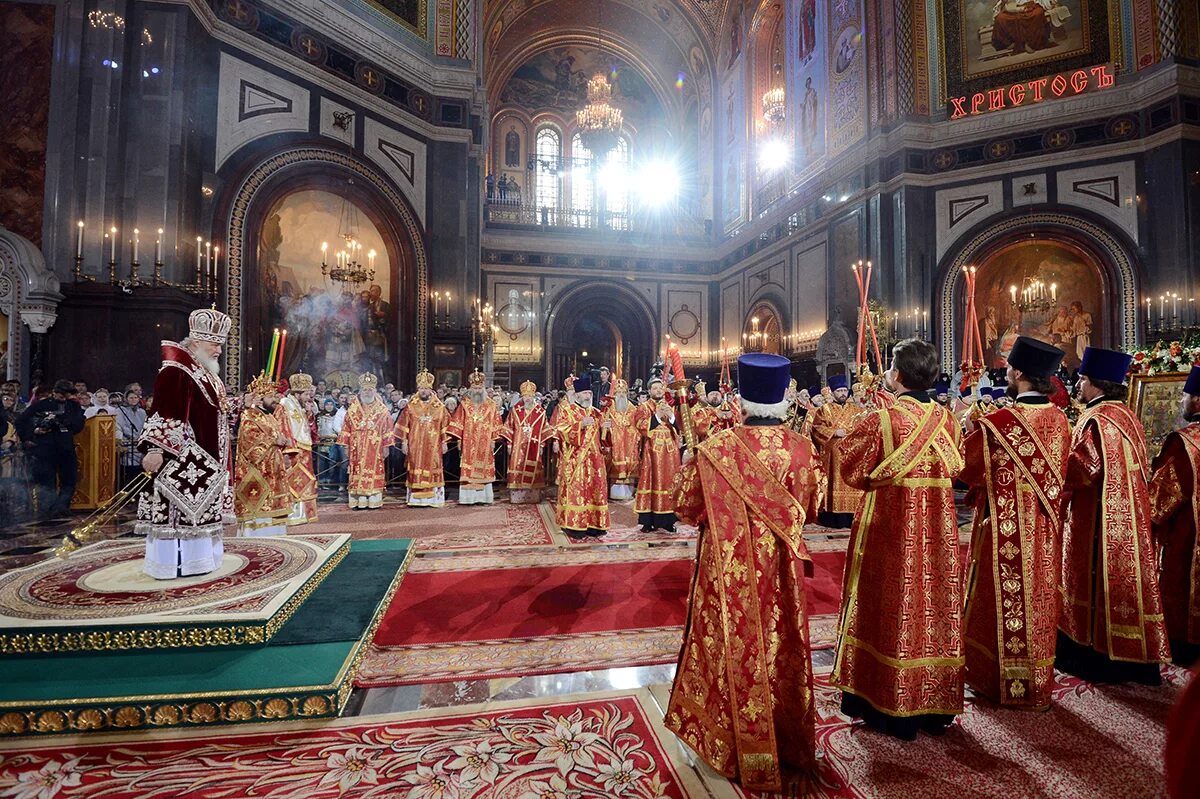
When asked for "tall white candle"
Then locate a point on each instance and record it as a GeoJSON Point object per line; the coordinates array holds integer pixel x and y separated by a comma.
{"type": "Point", "coordinates": [79, 240]}
{"type": "Point", "coordinates": [212, 279]}
{"type": "Point", "coordinates": [158, 247]}
{"type": "Point", "coordinates": [198, 256]}
{"type": "Point", "coordinates": [135, 245]}
{"type": "Point", "coordinates": [112, 250]}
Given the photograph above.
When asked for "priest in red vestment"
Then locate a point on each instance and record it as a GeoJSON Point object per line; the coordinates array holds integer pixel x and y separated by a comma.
{"type": "Point", "coordinates": [899, 658]}
{"type": "Point", "coordinates": [1111, 616]}
{"type": "Point", "coordinates": [1016, 461]}
{"type": "Point", "coordinates": [831, 423]}
{"type": "Point", "coordinates": [526, 430]}
{"type": "Point", "coordinates": [366, 435]}
{"type": "Point", "coordinates": [186, 447]}
{"type": "Point", "coordinates": [654, 502]}
{"type": "Point", "coordinates": [477, 425]}
{"type": "Point", "coordinates": [1175, 509]}
{"type": "Point", "coordinates": [743, 697]}
{"type": "Point", "coordinates": [421, 433]}
{"type": "Point", "coordinates": [262, 499]}
{"type": "Point", "coordinates": [621, 442]}
{"type": "Point", "coordinates": [712, 414]}
{"type": "Point", "coordinates": [583, 487]}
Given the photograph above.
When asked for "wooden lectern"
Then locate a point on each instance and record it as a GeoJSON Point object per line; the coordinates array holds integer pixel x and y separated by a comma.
{"type": "Point", "coordinates": [96, 448]}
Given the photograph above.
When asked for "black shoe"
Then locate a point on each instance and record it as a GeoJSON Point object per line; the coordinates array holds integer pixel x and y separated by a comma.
{"type": "Point", "coordinates": [576, 535]}
{"type": "Point", "coordinates": [647, 528]}
{"type": "Point", "coordinates": [596, 533]}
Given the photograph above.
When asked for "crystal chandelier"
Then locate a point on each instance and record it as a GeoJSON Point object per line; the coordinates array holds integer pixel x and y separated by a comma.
{"type": "Point", "coordinates": [1036, 296]}
{"type": "Point", "coordinates": [348, 268]}
{"type": "Point", "coordinates": [599, 120]}
{"type": "Point", "coordinates": [773, 105]}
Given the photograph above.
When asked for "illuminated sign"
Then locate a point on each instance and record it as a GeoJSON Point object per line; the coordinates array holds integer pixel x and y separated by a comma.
{"type": "Point", "coordinates": [1068, 84]}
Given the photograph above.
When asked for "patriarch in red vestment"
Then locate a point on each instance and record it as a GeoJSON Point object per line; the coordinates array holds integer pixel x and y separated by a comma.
{"type": "Point", "coordinates": [186, 447]}
{"type": "Point", "coordinates": [1111, 613]}
{"type": "Point", "coordinates": [899, 658]}
{"type": "Point", "coordinates": [583, 486]}
{"type": "Point", "coordinates": [526, 430]}
{"type": "Point", "coordinates": [742, 697]}
{"type": "Point", "coordinates": [1175, 509]}
{"type": "Point", "coordinates": [1016, 461]}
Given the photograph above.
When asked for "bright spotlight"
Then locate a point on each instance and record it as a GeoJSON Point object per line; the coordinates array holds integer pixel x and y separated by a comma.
{"type": "Point", "coordinates": [773, 155]}
{"type": "Point", "coordinates": [658, 183]}
{"type": "Point", "coordinates": [613, 178]}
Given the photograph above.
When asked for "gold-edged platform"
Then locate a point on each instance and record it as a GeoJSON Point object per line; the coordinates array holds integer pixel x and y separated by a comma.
{"type": "Point", "coordinates": [99, 600]}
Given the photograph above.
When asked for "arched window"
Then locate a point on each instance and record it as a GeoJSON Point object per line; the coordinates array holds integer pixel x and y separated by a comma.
{"type": "Point", "coordinates": [617, 190]}
{"type": "Point", "coordinates": [549, 158]}
{"type": "Point", "coordinates": [583, 184]}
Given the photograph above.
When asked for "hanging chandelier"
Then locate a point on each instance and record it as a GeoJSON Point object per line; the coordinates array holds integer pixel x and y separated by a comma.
{"type": "Point", "coordinates": [348, 268]}
{"type": "Point", "coordinates": [599, 121]}
{"type": "Point", "coordinates": [774, 105]}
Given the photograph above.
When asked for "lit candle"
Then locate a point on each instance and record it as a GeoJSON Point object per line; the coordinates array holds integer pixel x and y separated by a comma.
{"type": "Point", "coordinates": [1162, 308]}
{"type": "Point", "coordinates": [158, 247]}
{"type": "Point", "coordinates": [79, 240]}
{"type": "Point", "coordinates": [208, 257]}
{"type": "Point", "coordinates": [1148, 312]}
{"type": "Point", "coordinates": [112, 252]}
{"type": "Point", "coordinates": [437, 295]}
{"type": "Point", "coordinates": [212, 278]}
{"type": "Point", "coordinates": [447, 306]}
{"type": "Point", "coordinates": [279, 360]}
{"type": "Point", "coordinates": [324, 251]}
{"type": "Point", "coordinates": [1175, 305]}
{"type": "Point", "coordinates": [271, 355]}
{"type": "Point", "coordinates": [1053, 292]}
{"type": "Point", "coordinates": [896, 324]}
{"type": "Point", "coordinates": [371, 260]}
{"type": "Point", "coordinates": [135, 245]}
{"type": "Point", "coordinates": [198, 256]}
{"type": "Point", "coordinates": [924, 323]}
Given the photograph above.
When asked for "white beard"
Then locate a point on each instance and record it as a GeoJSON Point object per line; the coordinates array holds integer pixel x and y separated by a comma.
{"type": "Point", "coordinates": [585, 404]}
{"type": "Point", "coordinates": [621, 403]}
{"type": "Point", "coordinates": [211, 364]}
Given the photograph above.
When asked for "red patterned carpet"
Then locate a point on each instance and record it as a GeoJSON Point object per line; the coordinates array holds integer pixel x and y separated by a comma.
{"type": "Point", "coordinates": [551, 618]}
{"type": "Point", "coordinates": [454, 527]}
{"type": "Point", "coordinates": [591, 746]}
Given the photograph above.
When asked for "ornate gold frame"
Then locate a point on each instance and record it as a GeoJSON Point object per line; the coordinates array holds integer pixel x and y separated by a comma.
{"type": "Point", "coordinates": [1138, 387]}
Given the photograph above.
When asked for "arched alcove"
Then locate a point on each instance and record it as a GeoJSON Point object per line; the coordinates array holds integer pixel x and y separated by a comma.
{"type": "Point", "coordinates": [612, 323]}
{"type": "Point", "coordinates": [29, 296]}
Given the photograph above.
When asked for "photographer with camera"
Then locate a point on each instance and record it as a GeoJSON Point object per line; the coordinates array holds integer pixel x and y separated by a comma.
{"type": "Point", "coordinates": [47, 429]}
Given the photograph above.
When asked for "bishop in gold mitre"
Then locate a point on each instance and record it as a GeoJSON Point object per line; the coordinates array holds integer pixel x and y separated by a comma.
{"type": "Point", "coordinates": [477, 425]}
{"type": "Point", "coordinates": [296, 423]}
{"type": "Point", "coordinates": [366, 434]}
{"type": "Point", "coordinates": [421, 433]}
{"type": "Point", "coordinates": [526, 430]}
{"type": "Point", "coordinates": [261, 498]}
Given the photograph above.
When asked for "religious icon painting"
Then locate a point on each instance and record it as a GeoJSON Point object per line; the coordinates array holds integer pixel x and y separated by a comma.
{"type": "Point", "coordinates": [992, 45]}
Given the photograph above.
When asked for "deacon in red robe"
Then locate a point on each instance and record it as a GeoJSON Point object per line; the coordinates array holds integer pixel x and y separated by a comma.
{"type": "Point", "coordinates": [1175, 509]}
{"type": "Point", "coordinates": [654, 502]}
{"type": "Point", "coordinates": [186, 447]}
{"type": "Point", "coordinates": [899, 659]}
{"type": "Point", "coordinates": [1016, 461]}
{"type": "Point", "coordinates": [742, 697]}
{"type": "Point", "coordinates": [477, 425]}
{"type": "Point", "coordinates": [526, 430]}
{"type": "Point", "coordinates": [583, 488]}
{"type": "Point", "coordinates": [1111, 613]}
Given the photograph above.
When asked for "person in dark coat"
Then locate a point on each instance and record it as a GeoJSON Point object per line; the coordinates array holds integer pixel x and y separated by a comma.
{"type": "Point", "coordinates": [47, 430]}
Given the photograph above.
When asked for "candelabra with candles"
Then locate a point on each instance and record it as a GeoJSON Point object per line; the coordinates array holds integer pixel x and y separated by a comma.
{"type": "Point", "coordinates": [1036, 300]}
{"type": "Point", "coordinates": [348, 268]}
{"type": "Point", "coordinates": [1172, 317]}
{"type": "Point", "coordinates": [442, 316]}
{"type": "Point", "coordinates": [484, 330]}
{"type": "Point", "coordinates": [208, 259]}
{"type": "Point", "coordinates": [756, 339]}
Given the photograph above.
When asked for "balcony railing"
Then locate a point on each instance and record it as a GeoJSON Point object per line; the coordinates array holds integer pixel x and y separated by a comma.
{"type": "Point", "coordinates": [515, 212]}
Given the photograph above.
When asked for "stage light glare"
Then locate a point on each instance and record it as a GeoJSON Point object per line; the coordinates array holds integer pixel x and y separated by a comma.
{"type": "Point", "coordinates": [658, 183]}
{"type": "Point", "coordinates": [773, 155]}
{"type": "Point", "coordinates": [613, 178]}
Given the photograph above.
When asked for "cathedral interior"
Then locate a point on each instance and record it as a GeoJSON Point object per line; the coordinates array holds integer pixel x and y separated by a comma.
{"type": "Point", "coordinates": [533, 189]}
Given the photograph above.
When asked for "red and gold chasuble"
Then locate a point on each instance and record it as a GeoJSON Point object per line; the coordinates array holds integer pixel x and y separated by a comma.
{"type": "Point", "coordinates": [659, 463]}
{"type": "Point", "coordinates": [742, 697]}
{"type": "Point", "coordinates": [478, 426]}
{"type": "Point", "coordinates": [1109, 584]}
{"type": "Point", "coordinates": [1176, 514]}
{"type": "Point", "coordinates": [583, 487]}
{"type": "Point", "coordinates": [622, 440]}
{"type": "Point", "coordinates": [707, 423]}
{"type": "Point", "coordinates": [900, 633]}
{"type": "Point", "coordinates": [827, 420]}
{"type": "Point", "coordinates": [301, 479]}
{"type": "Point", "coordinates": [563, 413]}
{"type": "Point", "coordinates": [527, 432]}
{"type": "Point", "coordinates": [259, 475]}
{"type": "Point", "coordinates": [423, 427]}
{"type": "Point", "coordinates": [1016, 461]}
{"type": "Point", "coordinates": [366, 434]}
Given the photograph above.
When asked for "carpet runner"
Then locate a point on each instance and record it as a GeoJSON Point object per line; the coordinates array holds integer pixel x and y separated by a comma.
{"type": "Point", "coordinates": [447, 624]}
{"type": "Point", "coordinates": [454, 527]}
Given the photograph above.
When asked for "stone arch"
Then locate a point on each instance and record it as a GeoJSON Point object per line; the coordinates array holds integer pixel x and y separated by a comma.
{"type": "Point", "coordinates": [249, 192]}
{"type": "Point", "coordinates": [1111, 251]}
{"type": "Point", "coordinates": [29, 296]}
{"type": "Point", "coordinates": [608, 298]}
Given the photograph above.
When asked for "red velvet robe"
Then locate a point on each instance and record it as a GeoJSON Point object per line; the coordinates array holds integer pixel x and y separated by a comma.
{"type": "Point", "coordinates": [1109, 591]}
{"type": "Point", "coordinates": [900, 633]}
{"type": "Point", "coordinates": [1176, 514]}
{"type": "Point", "coordinates": [1016, 461]}
{"type": "Point", "coordinates": [742, 697]}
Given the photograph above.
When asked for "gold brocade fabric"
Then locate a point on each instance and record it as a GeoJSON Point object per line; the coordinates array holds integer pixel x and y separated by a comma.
{"type": "Point", "coordinates": [301, 479]}
{"type": "Point", "coordinates": [1016, 461]}
{"type": "Point", "coordinates": [742, 697]}
{"type": "Point", "coordinates": [583, 485]}
{"type": "Point", "coordinates": [423, 427]}
{"type": "Point", "coordinates": [526, 431]}
{"type": "Point", "coordinates": [827, 420]}
{"type": "Point", "coordinates": [563, 413]}
{"type": "Point", "coordinates": [477, 425]}
{"type": "Point", "coordinates": [622, 440]}
{"type": "Point", "coordinates": [708, 422]}
{"type": "Point", "coordinates": [259, 477]}
{"type": "Point", "coordinates": [1109, 590]}
{"type": "Point", "coordinates": [1176, 515]}
{"type": "Point", "coordinates": [900, 632]}
{"type": "Point", "coordinates": [366, 434]}
{"type": "Point", "coordinates": [659, 462]}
